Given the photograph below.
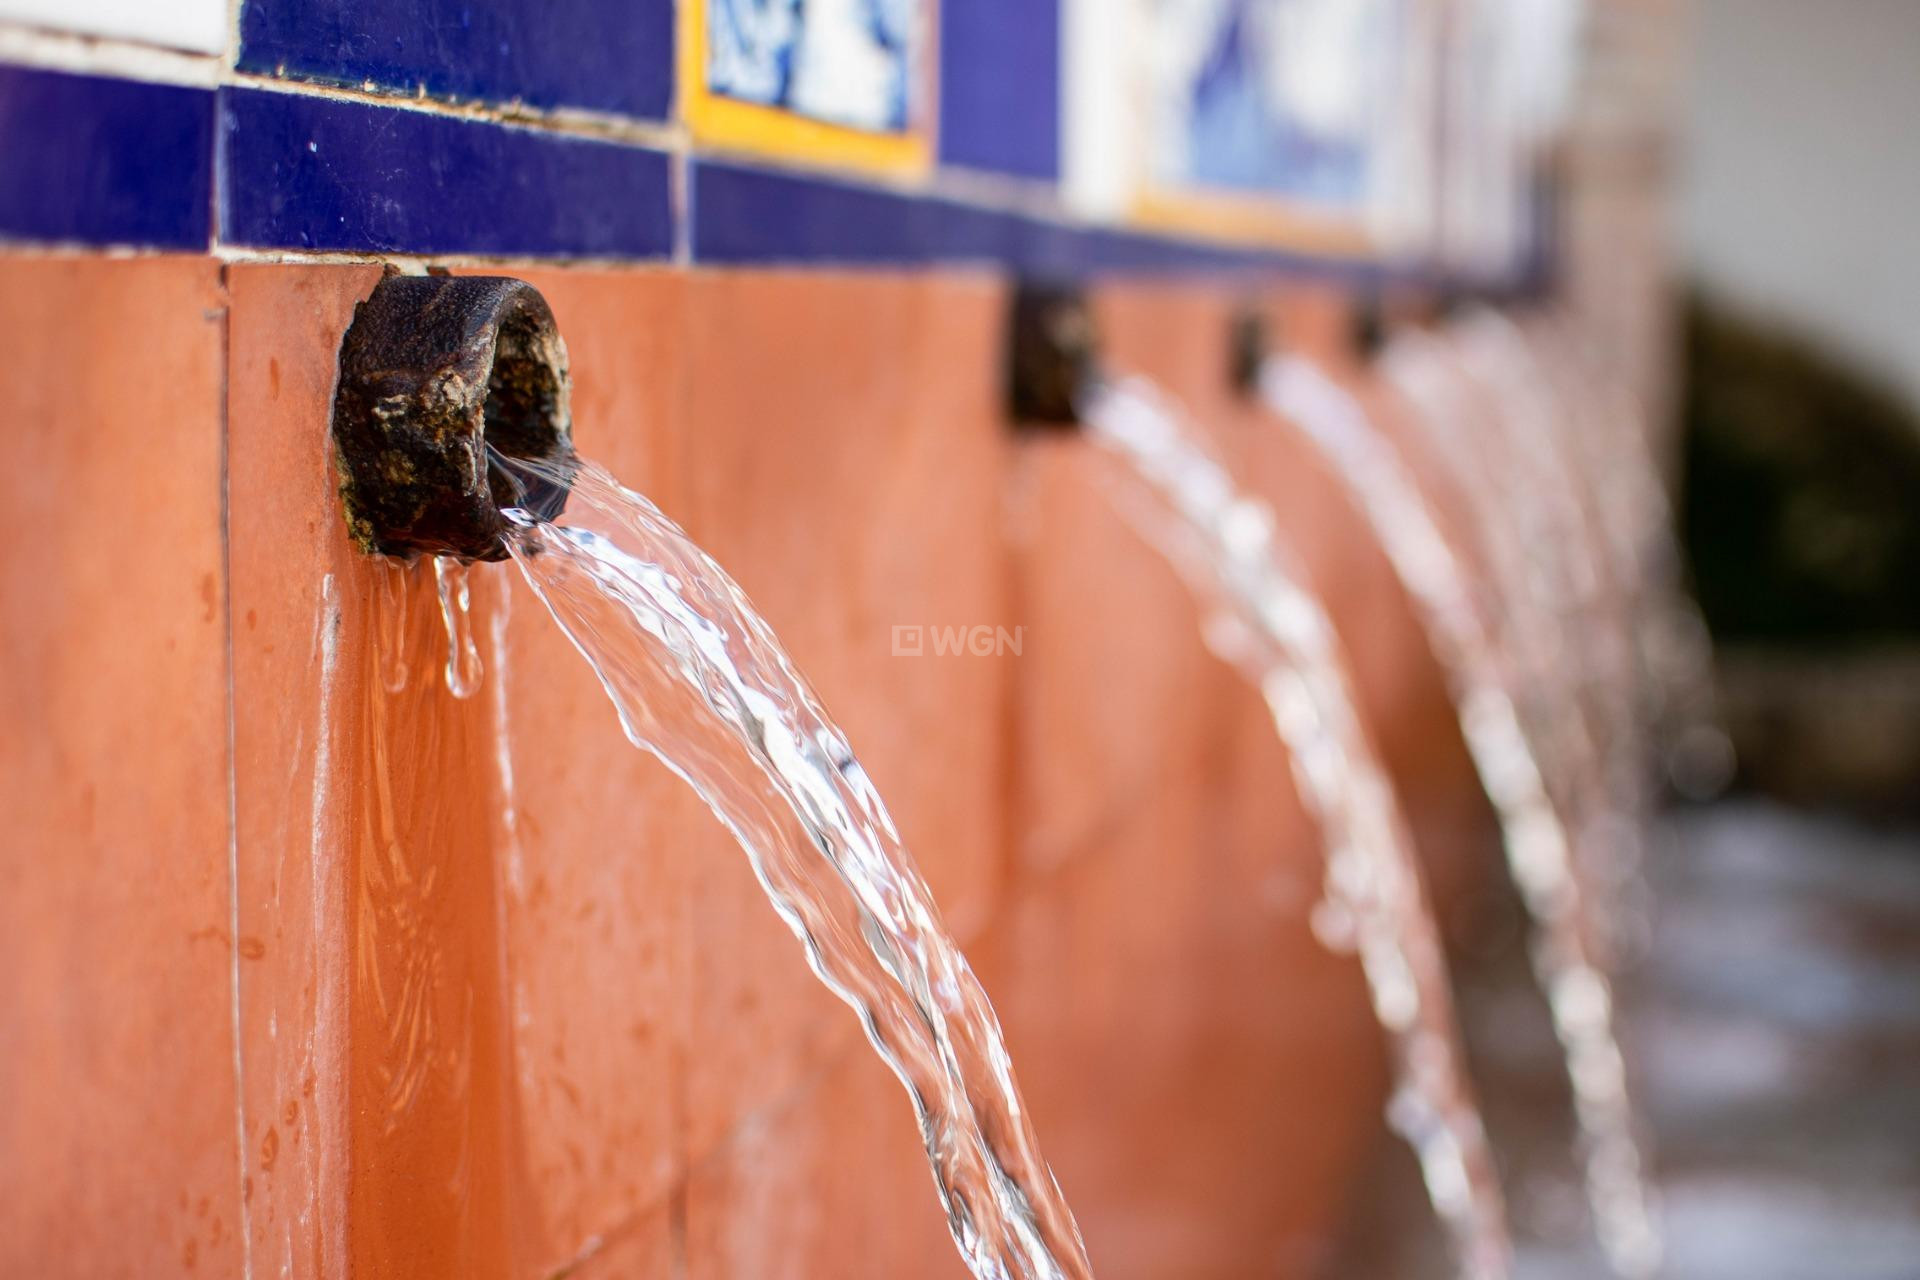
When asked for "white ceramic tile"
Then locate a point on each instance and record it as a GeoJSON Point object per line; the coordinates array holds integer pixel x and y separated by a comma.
{"type": "Point", "coordinates": [197, 25]}
{"type": "Point", "coordinates": [1100, 109]}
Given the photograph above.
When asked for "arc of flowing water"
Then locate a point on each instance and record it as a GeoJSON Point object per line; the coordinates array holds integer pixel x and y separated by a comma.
{"type": "Point", "coordinates": [1534, 431]}
{"type": "Point", "coordinates": [1541, 435]}
{"type": "Point", "coordinates": [1269, 624]}
{"type": "Point", "coordinates": [1610, 451]}
{"type": "Point", "coordinates": [1539, 629]}
{"type": "Point", "coordinates": [699, 680]}
{"type": "Point", "coordinates": [1670, 641]}
{"type": "Point", "coordinates": [1538, 851]}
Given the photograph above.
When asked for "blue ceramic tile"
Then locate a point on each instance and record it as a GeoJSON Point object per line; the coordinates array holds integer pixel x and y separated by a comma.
{"type": "Point", "coordinates": [1000, 86]}
{"type": "Point", "coordinates": [747, 215]}
{"type": "Point", "coordinates": [104, 161]}
{"type": "Point", "coordinates": [750, 215]}
{"type": "Point", "coordinates": [304, 172]}
{"type": "Point", "coordinates": [603, 55]}
{"type": "Point", "coordinates": [847, 64]}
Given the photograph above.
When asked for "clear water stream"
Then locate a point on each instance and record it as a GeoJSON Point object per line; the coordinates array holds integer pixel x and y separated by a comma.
{"type": "Point", "coordinates": [1543, 441]}
{"type": "Point", "coordinates": [1531, 612]}
{"type": "Point", "coordinates": [1268, 623]}
{"type": "Point", "coordinates": [1540, 852]}
{"type": "Point", "coordinates": [699, 680]}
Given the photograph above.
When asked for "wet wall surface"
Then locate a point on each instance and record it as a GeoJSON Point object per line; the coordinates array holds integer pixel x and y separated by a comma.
{"type": "Point", "coordinates": [304, 973]}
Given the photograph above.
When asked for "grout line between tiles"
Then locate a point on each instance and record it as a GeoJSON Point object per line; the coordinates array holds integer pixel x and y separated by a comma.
{"type": "Point", "coordinates": [233, 785]}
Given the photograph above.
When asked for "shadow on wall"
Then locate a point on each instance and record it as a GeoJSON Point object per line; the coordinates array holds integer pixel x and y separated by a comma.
{"type": "Point", "coordinates": [1801, 521]}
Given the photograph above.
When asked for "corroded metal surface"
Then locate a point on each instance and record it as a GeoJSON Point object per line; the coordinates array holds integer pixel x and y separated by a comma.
{"type": "Point", "coordinates": [1247, 348]}
{"type": "Point", "coordinates": [1051, 344]}
{"type": "Point", "coordinates": [434, 372]}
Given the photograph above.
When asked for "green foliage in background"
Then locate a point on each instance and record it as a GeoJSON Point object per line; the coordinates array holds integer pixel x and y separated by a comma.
{"type": "Point", "coordinates": [1801, 497]}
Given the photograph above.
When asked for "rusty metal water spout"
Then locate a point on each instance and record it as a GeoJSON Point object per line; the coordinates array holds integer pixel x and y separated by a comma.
{"type": "Point", "coordinates": [439, 377]}
{"type": "Point", "coordinates": [1052, 345]}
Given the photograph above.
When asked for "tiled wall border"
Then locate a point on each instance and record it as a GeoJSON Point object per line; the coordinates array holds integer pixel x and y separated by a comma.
{"type": "Point", "coordinates": [751, 215]}
{"type": "Point", "coordinates": [303, 172]}
{"type": "Point", "coordinates": [100, 161]}
{"type": "Point", "coordinates": [245, 164]}
{"type": "Point", "coordinates": [464, 51]}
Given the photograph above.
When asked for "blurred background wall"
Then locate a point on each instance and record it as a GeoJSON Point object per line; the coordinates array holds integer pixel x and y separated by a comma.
{"type": "Point", "coordinates": [1797, 200]}
{"type": "Point", "coordinates": [1794, 182]}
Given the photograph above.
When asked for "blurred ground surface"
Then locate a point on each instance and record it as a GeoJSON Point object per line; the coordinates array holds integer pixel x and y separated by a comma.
{"type": "Point", "coordinates": [1774, 1023]}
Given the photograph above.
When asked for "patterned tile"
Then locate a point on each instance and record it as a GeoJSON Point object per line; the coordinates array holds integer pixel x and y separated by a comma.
{"type": "Point", "coordinates": [602, 55]}
{"type": "Point", "coordinates": [1260, 122]}
{"type": "Point", "coordinates": [1225, 165]}
{"type": "Point", "coordinates": [1270, 97]}
{"type": "Point", "coordinates": [304, 172]}
{"type": "Point", "coordinates": [843, 62]}
{"type": "Point", "coordinates": [104, 161]}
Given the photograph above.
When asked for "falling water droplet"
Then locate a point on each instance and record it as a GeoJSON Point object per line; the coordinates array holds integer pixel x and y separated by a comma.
{"type": "Point", "coordinates": [390, 580]}
{"type": "Point", "coordinates": [463, 655]}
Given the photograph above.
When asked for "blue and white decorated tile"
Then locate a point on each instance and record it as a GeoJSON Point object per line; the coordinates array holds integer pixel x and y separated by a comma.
{"type": "Point", "coordinates": [839, 83]}
{"type": "Point", "coordinates": [1262, 120]}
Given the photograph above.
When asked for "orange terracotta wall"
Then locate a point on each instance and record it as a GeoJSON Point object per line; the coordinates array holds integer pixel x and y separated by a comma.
{"type": "Point", "coordinates": [309, 977]}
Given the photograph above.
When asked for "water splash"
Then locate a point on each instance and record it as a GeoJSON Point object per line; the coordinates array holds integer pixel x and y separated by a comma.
{"type": "Point", "coordinates": [463, 669]}
{"type": "Point", "coordinates": [1273, 628]}
{"type": "Point", "coordinates": [1538, 850]}
{"type": "Point", "coordinates": [699, 680]}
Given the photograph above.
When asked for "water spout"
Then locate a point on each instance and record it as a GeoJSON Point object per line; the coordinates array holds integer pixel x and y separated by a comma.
{"type": "Point", "coordinates": [438, 376]}
{"type": "Point", "coordinates": [452, 438]}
